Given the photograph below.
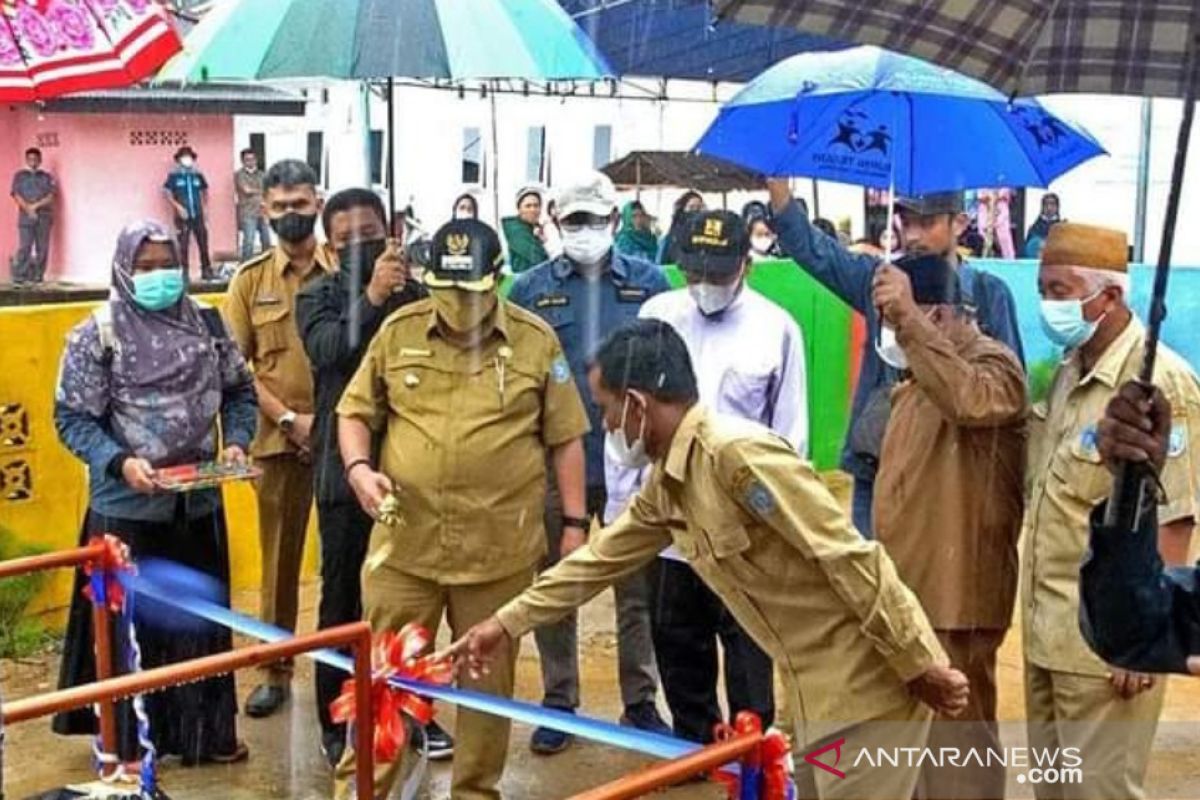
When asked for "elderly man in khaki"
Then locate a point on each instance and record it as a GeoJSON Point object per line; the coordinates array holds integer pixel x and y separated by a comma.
{"type": "Point", "coordinates": [472, 397]}
{"type": "Point", "coordinates": [1074, 699]}
{"type": "Point", "coordinates": [854, 648]}
{"type": "Point", "coordinates": [260, 309]}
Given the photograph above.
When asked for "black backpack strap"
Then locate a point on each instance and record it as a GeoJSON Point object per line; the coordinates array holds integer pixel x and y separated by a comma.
{"type": "Point", "coordinates": [213, 322]}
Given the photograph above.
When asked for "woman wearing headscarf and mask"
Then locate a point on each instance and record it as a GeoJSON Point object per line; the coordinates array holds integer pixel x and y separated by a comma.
{"type": "Point", "coordinates": [689, 203]}
{"type": "Point", "coordinates": [143, 383]}
{"type": "Point", "coordinates": [635, 237]}
{"type": "Point", "coordinates": [523, 233]}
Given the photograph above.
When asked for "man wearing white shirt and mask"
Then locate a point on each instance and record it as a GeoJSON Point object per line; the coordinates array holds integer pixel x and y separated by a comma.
{"type": "Point", "coordinates": [749, 359]}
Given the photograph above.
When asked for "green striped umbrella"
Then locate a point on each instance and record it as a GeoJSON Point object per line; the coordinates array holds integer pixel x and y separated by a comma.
{"type": "Point", "coordinates": [457, 39]}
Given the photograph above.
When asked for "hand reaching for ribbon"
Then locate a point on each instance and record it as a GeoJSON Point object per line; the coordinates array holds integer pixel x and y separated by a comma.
{"type": "Point", "coordinates": [475, 651]}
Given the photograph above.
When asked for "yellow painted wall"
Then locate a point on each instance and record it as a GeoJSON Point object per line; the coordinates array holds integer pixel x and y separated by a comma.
{"type": "Point", "coordinates": [43, 488]}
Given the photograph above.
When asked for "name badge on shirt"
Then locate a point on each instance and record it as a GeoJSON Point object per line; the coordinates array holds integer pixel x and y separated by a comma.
{"type": "Point", "coordinates": [552, 301]}
{"type": "Point", "coordinates": [412, 352]}
{"type": "Point", "coordinates": [631, 294]}
{"type": "Point", "coordinates": [267, 300]}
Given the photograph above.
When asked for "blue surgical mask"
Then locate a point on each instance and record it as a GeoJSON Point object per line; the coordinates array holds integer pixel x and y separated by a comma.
{"type": "Point", "coordinates": [1064, 323]}
{"type": "Point", "coordinates": [159, 289]}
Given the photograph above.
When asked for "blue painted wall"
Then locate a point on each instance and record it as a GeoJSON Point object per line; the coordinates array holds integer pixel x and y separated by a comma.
{"type": "Point", "coordinates": [1181, 331]}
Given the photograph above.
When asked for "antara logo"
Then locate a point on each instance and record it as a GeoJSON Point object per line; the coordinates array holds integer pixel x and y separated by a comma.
{"type": "Point", "coordinates": [836, 747]}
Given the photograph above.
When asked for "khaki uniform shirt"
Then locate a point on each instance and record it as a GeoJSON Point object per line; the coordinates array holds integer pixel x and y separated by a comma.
{"type": "Point", "coordinates": [948, 495]}
{"type": "Point", "coordinates": [1066, 480]}
{"type": "Point", "coordinates": [260, 311]}
{"type": "Point", "coordinates": [465, 439]}
{"type": "Point", "coordinates": [758, 526]}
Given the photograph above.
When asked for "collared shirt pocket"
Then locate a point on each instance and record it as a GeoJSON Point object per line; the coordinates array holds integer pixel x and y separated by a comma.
{"type": "Point", "coordinates": [417, 387]}
{"type": "Point", "coordinates": [746, 393]}
{"type": "Point", "coordinates": [1081, 469]}
{"type": "Point", "coordinates": [270, 321]}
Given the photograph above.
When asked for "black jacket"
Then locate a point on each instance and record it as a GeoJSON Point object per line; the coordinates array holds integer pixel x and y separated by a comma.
{"type": "Point", "coordinates": [1134, 613]}
{"type": "Point", "coordinates": [323, 312]}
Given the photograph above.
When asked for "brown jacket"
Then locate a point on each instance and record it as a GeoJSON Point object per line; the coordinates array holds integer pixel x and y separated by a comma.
{"type": "Point", "coordinates": [948, 494]}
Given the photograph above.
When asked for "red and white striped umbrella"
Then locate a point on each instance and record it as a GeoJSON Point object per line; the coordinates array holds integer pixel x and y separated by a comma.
{"type": "Point", "coordinates": [54, 47]}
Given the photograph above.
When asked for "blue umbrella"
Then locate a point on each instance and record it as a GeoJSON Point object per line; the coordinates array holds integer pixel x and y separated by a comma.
{"type": "Point", "coordinates": [870, 117]}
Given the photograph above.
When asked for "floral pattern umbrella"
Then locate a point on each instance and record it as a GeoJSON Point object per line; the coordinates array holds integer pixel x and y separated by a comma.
{"type": "Point", "coordinates": [54, 47]}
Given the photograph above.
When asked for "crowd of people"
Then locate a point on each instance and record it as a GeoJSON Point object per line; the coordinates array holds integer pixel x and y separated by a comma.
{"type": "Point", "coordinates": [592, 426]}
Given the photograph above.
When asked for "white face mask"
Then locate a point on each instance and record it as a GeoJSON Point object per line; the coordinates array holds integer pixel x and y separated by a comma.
{"type": "Point", "coordinates": [186, 161]}
{"type": "Point", "coordinates": [628, 454]}
{"type": "Point", "coordinates": [712, 298]}
{"type": "Point", "coordinates": [890, 350]}
{"type": "Point", "coordinates": [587, 246]}
{"type": "Point", "coordinates": [762, 244]}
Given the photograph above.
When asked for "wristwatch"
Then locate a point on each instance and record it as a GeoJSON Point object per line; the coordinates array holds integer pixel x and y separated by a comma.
{"type": "Point", "coordinates": [582, 523]}
{"type": "Point", "coordinates": [286, 421]}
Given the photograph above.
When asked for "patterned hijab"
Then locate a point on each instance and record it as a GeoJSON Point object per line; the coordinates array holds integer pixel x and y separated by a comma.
{"type": "Point", "coordinates": [163, 389]}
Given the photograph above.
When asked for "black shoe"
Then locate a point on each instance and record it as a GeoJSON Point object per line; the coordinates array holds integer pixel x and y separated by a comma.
{"type": "Point", "coordinates": [438, 743]}
{"type": "Point", "coordinates": [266, 700]}
{"type": "Point", "coordinates": [644, 717]}
{"type": "Point", "coordinates": [333, 745]}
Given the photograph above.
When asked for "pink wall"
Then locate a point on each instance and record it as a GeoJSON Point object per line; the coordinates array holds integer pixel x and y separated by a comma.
{"type": "Point", "coordinates": [110, 169]}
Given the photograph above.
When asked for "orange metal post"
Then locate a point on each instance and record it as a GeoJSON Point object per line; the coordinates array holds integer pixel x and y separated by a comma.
{"type": "Point", "coordinates": [671, 772]}
{"type": "Point", "coordinates": [364, 717]}
{"type": "Point", "coordinates": [102, 637]}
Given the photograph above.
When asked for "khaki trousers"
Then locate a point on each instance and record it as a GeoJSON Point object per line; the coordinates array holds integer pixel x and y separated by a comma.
{"type": "Point", "coordinates": [906, 728]}
{"type": "Point", "coordinates": [973, 652]}
{"type": "Point", "coordinates": [1113, 736]}
{"type": "Point", "coordinates": [285, 494]}
{"type": "Point", "coordinates": [392, 599]}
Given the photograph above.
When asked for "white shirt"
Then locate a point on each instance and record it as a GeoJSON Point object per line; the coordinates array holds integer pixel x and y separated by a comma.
{"type": "Point", "coordinates": [749, 363]}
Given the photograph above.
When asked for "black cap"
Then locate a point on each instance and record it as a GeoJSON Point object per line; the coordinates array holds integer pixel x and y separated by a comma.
{"type": "Point", "coordinates": [934, 280]}
{"type": "Point", "coordinates": [466, 254]}
{"type": "Point", "coordinates": [934, 203]}
{"type": "Point", "coordinates": [714, 243]}
{"type": "Point", "coordinates": [185, 151]}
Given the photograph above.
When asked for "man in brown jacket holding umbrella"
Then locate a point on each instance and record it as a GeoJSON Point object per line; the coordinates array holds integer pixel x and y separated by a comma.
{"type": "Point", "coordinates": [948, 495]}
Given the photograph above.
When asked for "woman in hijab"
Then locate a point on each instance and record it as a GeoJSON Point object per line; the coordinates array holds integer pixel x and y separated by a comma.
{"type": "Point", "coordinates": [635, 238]}
{"type": "Point", "coordinates": [143, 383]}
{"type": "Point", "coordinates": [466, 207]}
{"type": "Point", "coordinates": [523, 233]}
{"type": "Point", "coordinates": [690, 202]}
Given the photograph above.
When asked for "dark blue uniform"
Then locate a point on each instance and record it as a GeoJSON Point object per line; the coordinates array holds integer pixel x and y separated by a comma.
{"type": "Point", "coordinates": [1132, 612]}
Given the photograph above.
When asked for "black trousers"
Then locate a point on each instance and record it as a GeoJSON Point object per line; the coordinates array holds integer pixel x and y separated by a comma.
{"type": "Point", "coordinates": [687, 620]}
{"type": "Point", "coordinates": [184, 230]}
{"type": "Point", "coordinates": [345, 532]}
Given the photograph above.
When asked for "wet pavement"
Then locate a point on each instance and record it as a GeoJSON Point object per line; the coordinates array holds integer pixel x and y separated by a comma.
{"type": "Point", "coordinates": [285, 761]}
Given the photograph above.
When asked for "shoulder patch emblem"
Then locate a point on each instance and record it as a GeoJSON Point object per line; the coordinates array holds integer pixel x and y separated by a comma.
{"type": "Point", "coordinates": [560, 370]}
{"type": "Point", "coordinates": [759, 499]}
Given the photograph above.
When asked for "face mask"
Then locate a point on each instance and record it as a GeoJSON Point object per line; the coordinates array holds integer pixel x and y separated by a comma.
{"type": "Point", "coordinates": [1064, 323]}
{"type": "Point", "coordinates": [359, 258]}
{"type": "Point", "coordinates": [159, 289]}
{"type": "Point", "coordinates": [461, 311]}
{"type": "Point", "coordinates": [587, 246]}
{"type": "Point", "coordinates": [631, 455]}
{"type": "Point", "coordinates": [890, 350]}
{"type": "Point", "coordinates": [762, 244]}
{"type": "Point", "coordinates": [186, 162]}
{"type": "Point", "coordinates": [712, 298]}
{"type": "Point", "coordinates": [293, 227]}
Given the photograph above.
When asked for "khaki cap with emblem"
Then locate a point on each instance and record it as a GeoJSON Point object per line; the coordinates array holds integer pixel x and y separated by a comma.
{"type": "Point", "coordinates": [1072, 244]}
{"type": "Point", "coordinates": [465, 254]}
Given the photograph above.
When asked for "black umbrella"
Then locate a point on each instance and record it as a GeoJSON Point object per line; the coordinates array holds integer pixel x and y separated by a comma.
{"type": "Point", "coordinates": [1028, 47]}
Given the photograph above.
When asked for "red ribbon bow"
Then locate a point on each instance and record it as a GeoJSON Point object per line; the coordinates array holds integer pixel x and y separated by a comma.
{"type": "Point", "coordinates": [114, 560]}
{"type": "Point", "coordinates": [767, 765]}
{"type": "Point", "coordinates": [395, 655]}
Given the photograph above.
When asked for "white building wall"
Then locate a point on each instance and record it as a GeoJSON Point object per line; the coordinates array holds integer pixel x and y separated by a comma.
{"type": "Point", "coordinates": [429, 138]}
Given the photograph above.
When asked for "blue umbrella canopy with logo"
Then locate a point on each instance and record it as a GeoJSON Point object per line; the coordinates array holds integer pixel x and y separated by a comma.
{"type": "Point", "coordinates": [874, 118]}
